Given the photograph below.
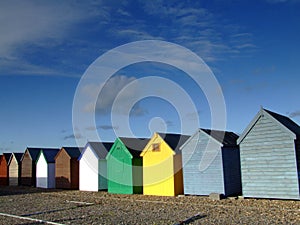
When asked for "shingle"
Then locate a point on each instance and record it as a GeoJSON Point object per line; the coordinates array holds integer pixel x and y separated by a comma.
{"type": "Point", "coordinates": [225, 137]}
{"type": "Point", "coordinates": [135, 145]}
{"type": "Point", "coordinates": [174, 140]}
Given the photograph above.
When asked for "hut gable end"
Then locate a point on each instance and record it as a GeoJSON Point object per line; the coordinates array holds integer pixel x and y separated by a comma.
{"type": "Point", "coordinates": [268, 157]}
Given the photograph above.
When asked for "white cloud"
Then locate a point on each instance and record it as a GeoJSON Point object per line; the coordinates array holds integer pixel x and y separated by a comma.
{"type": "Point", "coordinates": [111, 90]}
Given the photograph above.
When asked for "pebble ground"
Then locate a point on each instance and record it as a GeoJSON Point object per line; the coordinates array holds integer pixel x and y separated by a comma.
{"type": "Point", "coordinates": [77, 207]}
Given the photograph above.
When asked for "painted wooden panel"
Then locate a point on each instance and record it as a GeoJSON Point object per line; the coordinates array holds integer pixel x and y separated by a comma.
{"type": "Point", "coordinates": [198, 182]}
{"type": "Point", "coordinates": [3, 171]}
{"type": "Point", "coordinates": [27, 173]}
{"type": "Point", "coordinates": [74, 174]}
{"type": "Point", "coordinates": [162, 174]}
{"type": "Point", "coordinates": [42, 172]}
{"type": "Point", "coordinates": [211, 165]}
{"type": "Point", "coordinates": [102, 175]}
{"type": "Point", "coordinates": [268, 162]}
{"type": "Point", "coordinates": [13, 172]}
{"type": "Point", "coordinates": [63, 170]}
{"type": "Point", "coordinates": [88, 171]}
{"type": "Point", "coordinates": [232, 170]}
{"type": "Point", "coordinates": [51, 175]}
{"type": "Point", "coordinates": [119, 169]}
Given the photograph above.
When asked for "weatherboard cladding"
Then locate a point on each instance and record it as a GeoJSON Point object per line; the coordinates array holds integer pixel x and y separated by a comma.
{"type": "Point", "coordinates": [28, 169]}
{"type": "Point", "coordinates": [222, 174]}
{"type": "Point", "coordinates": [162, 165]}
{"type": "Point", "coordinates": [124, 166]}
{"type": "Point", "coordinates": [45, 168]}
{"type": "Point", "coordinates": [14, 167]}
{"type": "Point", "coordinates": [93, 166]}
{"type": "Point", "coordinates": [269, 157]}
{"type": "Point", "coordinates": [4, 168]}
{"type": "Point", "coordinates": [67, 168]}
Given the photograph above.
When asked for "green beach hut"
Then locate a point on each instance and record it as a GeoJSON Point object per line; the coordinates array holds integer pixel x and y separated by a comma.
{"type": "Point", "coordinates": [124, 166]}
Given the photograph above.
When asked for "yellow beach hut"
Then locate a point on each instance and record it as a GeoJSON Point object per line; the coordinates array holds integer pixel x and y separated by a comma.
{"type": "Point", "coordinates": [162, 165]}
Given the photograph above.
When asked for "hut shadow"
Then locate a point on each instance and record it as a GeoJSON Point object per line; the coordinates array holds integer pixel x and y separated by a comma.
{"type": "Point", "coordinates": [19, 190]}
{"type": "Point", "coordinates": [191, 219]}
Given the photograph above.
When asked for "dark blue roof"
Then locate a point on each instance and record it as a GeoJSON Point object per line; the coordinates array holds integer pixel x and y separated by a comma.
{"type": "Point", "coordinates": [174, 140]}
{"type": "Point", "coordinates": [7, 156]}
{"type": "Point", "coordinates": [287, 122]}
{"type": "Point", "coordinates": [135, 145]}
{"type": "Point", "coordinates": [73, 152]}
{"type": "Point", "coordinates": [18, 156]}
{"type": "Point", "coordinates": [225, 137]}
{"type": "Point", "coordinates": [50, 154]}
{"type": "Point", "coordinates": [101, 148]}
{"type": "Point", "coordinates": [33, 152]}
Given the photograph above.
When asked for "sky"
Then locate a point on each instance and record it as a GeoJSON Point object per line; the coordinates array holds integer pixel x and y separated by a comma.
{"type": "Point", "coordinates": [48, 49]}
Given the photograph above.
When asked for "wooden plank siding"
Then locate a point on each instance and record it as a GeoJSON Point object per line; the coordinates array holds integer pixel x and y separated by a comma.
{"type": "Point", "coordinates": [14, 172]}
{"type": "Point", "coordinates": [124, 166]}
{"type": "Point", "coordinates": [268, 161]}
{"type": "Point", "coordinates": [28, 171]}
{"type": "Point", "coordinates": [14, 167]}
{"type": "Point", "coordinates": [63, 171]}
{"type": "Point", "coordinates": [211, 165]}
{"type": "Point", "coordinates": [162, 165]}
{"type": "Point", "coordinates": [93, 166]}
{"type": "Point", "coordinates": [3, 171]}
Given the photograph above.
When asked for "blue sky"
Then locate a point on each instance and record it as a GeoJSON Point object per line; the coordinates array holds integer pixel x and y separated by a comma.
{"type": "Point", "coordinates": [252, 47]}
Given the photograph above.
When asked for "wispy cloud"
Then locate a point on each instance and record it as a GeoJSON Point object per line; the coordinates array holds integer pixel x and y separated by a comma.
{"type": "Point", "coordinates": [108, 127]}
{"type": "Point", "coordinates": [102, 127]}
{"type": "Point", "coordinates": [72, 136]}
{"type": "Point", "coordinates": [294, 114]}
{"type": "Point", "coordinates": [114, 88]}
{"type": "Point", "coordinates": [56, 32]}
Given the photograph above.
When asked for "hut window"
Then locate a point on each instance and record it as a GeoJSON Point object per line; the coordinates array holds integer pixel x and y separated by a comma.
{"type": "Point", "coordinates": [155, 148]}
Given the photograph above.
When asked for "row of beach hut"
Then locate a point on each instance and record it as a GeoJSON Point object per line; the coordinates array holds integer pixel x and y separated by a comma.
{"type": "Point", "coordinates": [263, 162]}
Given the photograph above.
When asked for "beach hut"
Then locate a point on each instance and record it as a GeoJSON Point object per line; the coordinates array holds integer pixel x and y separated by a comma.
{"type": "Point", "coordinates": [28, 169]}
{"type": "Point", "coordinates": [92, 166]}
{"type": "Point", "coordinates": [211, 163]}
{"type": "Point", "coordinates": [162, 165]}
{"type": "Point", "coordinates": [67, 168]}
{"type": "Point", "coordinates": [124, 166]}
{"type": "Point", "coordinates": [14, 169]}
{"type": "Point", "coordinates": [45, 168]}
{"type": "Point", "coordinates": [270, 157]}
{"type": "Point", "coordinates": [4, 158]}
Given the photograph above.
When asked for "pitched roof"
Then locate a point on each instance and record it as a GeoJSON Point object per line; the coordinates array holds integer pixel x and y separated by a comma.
{"type": "Point", "coordinates": [135, 145]}
{"type": "Point", "coordinates": [33, 152]}
{"type": "Point", "coordinates": [100, 148]}
{"type": "Point", "coordinates": [224, 137]}
{"type": "Point", "coordinates": [286, 121]}
{"type": "Point", "coordinates": [50, 154]}
{"type": "Point", "coordinates": [7, 156]}
{"type": "Point", "coordinates": [18, 156]}
{"type": "Point", "coordinates": [73, 152]}
{"type": "Point", "coordinates": [174, 140]}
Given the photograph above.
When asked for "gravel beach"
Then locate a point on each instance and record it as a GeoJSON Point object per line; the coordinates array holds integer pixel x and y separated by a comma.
{"type": "Point", "coordinates": [76, 207]}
